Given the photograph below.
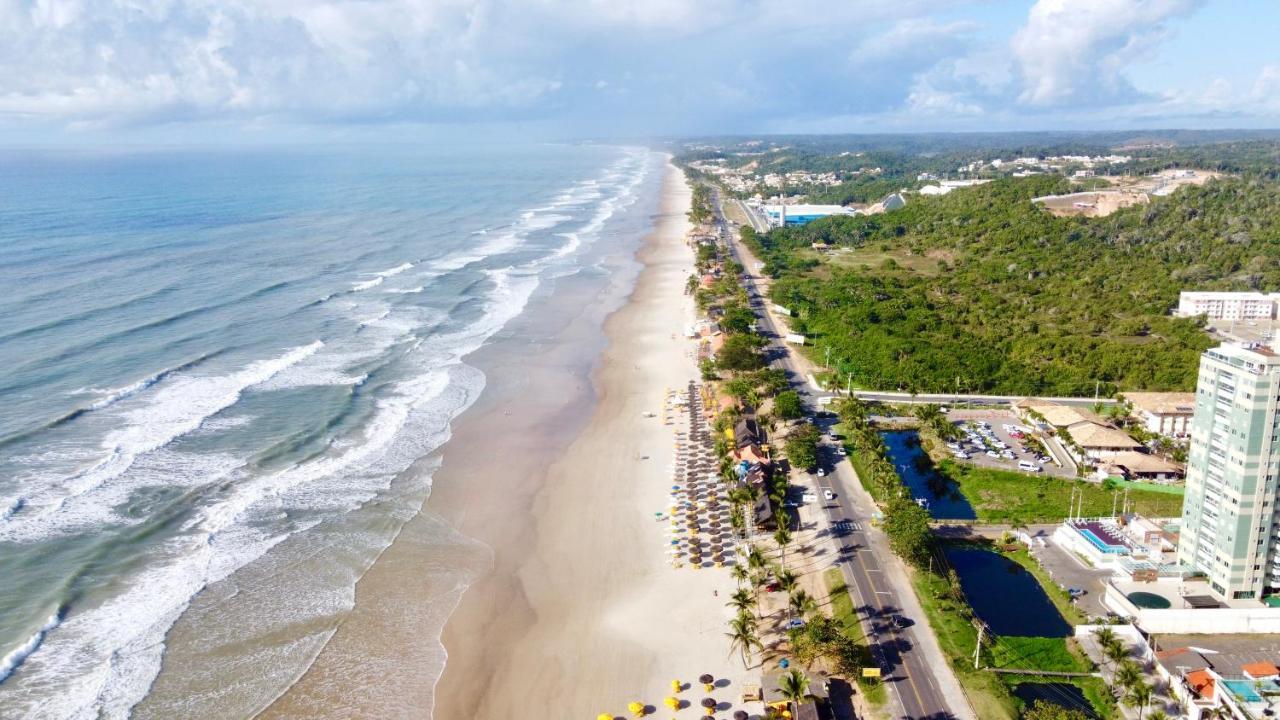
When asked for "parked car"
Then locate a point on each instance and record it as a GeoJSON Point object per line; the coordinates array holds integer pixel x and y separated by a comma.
{"type": "Point", "coordinates": [795, 624]}
{"type": "Point", "coordinates": [953, 446]}
{"type": "Point", "coordinates": [841, 451]}
{"type": "Point", "coordinates": [821, 472]}
{"type": "Point", "coordinates": [1026, 466]}
{"type": "Point", "coordinates": [1045, 458]}
{"type": "Point", "coordinates": [960, 455]}
{"type": "Point", "coordinates": [809, 497]}
{"type": "Point", "coordinates": [993, 453]}
{"type": "Point", "coordinates": [828, 495]}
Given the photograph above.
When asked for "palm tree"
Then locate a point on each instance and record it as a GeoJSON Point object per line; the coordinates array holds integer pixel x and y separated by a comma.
{"type": "Point", "coordinates": [740, 574]}
{"type": "Point", "coordinates": [787, 581]}
{"type": "Point", "coordinates": [1158, 715]}
{"type": "Point", "coordinates": [1105, 636]}
{"type": "Point", "coordinates": [1116, 652]}
{"type": "Point", "coordinates": [756, 560]}
{"type": "Point", "coordinates": [802, 604]}
{"type": "Point", "coordinates": [1128, 674]}
{"type": "Point", "coordinates": [1139, 696]}
{"type": "Point", "coordinates": [783, 538]}
{"type": "Point", "coordinates": [742, 600]}
{"type": "Point", "coordinates": [742, 637]}
{"type": "Point", "coordinates": [794, 686]}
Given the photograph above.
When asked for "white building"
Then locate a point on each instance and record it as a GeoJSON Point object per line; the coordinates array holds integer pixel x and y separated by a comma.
{"type": "Point", "coordinates": [1229, 523]}
{"type": "Point", "coordinates": [1164, 413]}
{"type": "Point", "coordinates": [1228, 305]}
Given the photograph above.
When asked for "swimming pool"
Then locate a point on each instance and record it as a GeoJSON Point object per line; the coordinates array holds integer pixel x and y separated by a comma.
{"type": "Point", "coordinates": [1102, 545]}
{"type": "Point", "coordinates": [1244, 689]}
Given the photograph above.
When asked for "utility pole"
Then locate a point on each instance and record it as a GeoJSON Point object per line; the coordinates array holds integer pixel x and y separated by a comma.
{"type": "Point", "coordinates": [827, 363]}
{"type": "Point", "coordinates": [1096, 384]}
{"type": "Point", "coordinates": [1115, 494]}
{"type": "Point", "coordinates": [977, 650]}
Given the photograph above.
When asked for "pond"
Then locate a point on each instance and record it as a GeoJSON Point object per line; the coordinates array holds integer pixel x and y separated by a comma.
{"type": "Point", "coordinates": [1005, 595]}
{"type": "Point", "coordinates": [1064, 695]}
{"type": "Point", "coordinates": [945, 500]}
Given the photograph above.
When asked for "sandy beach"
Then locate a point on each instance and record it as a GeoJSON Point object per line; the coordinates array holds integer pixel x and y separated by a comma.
{"type": "Point", "coordinates": [546, 502]}
{"type": "Point", "coordinates": [600, 618]}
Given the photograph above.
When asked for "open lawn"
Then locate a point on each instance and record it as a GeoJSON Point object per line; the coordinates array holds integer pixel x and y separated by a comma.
{"type": "Point", "coordinates": [845, 257]}
{"type": "Point", "coordinates": [842, 611]}
{"type": "Point", "coordinates": [1004, 496]}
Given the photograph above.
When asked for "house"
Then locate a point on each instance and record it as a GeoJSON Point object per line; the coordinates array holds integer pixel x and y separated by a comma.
{"type": "Point", "coordinates": [1141, 466]}
{"type": "Point", "coordinates": [1163, 413]}
{"type": "Point", "coordinates": [1097, 441]}
{"type": "Point", "coordinates": [1051, 413]}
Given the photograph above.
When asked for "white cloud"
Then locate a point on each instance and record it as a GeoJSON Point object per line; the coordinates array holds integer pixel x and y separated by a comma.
{"type": "Point", "coordinates": [914, 38]}
{"type": "Point", "coordinates": [1074, 51]}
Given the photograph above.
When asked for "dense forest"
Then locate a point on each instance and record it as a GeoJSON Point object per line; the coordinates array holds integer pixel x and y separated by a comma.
{"type": "Point", "coordinates": [982, 291]}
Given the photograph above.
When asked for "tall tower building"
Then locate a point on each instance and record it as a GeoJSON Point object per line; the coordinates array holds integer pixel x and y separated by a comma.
{"type": "Point", "coordinates": [1230, 529]}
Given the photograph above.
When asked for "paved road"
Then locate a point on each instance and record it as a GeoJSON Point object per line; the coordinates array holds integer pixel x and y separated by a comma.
{"type": "Point", "coordinates": [942, 398]}
{"type": "Point", "coordinates": [869, 567]}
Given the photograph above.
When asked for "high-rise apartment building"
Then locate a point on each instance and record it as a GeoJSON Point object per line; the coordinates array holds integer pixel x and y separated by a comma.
{"type": "Point", "coordinates": [1230, 529]}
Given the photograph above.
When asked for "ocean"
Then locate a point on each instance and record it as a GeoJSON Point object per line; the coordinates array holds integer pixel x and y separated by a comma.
{"type": "Point", "coordinates": [225, 379]}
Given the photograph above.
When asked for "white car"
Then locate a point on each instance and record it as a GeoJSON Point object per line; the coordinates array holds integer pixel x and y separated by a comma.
{"type": "Point", "coordinates": [809, 497]}
{"type": "Point", "coordinates": [821, 472]}
{"type": "Point", "coordinates": [1026, 466]}
{"type": "Point", "coordinates": [841, 451]}
{"type": "Point", "coordinates": [953, 446]}
{"type": "Point", "coordinates": [828, 495]}
{"type": "Point", "coordinates": [993, 453]}
{"type": "Point", "coordinates": [960, 455]}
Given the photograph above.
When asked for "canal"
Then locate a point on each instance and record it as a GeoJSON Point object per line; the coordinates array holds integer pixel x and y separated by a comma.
{"type": "Point", "coordinates": [945, 500]}
{"type": "Point", "coordinates": [1004, 595]}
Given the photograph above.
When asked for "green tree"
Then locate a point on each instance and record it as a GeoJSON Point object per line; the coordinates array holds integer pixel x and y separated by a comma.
{"type": "Point", "coordinates": [742, 637]}
{"type": "Point", "coordinates": [794, 686]}
{"type": "Point", "coordinates": [787, 405]}
{"type": "Point", "coordinates": [907, 525]}
{"type": "Point", "coordinates": [1139, 696]}
{"type": "Point", "coordinates": [802, 604]}
{"type": "Point", "coordinates": [740, 352]}
{"type": "Point", "coordinates": [801, 446]}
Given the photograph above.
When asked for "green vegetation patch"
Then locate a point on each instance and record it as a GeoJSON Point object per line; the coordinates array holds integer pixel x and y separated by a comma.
{"type": "Point", "coordinates": [842, 611]}
{"type": "Point", "coordinates": [1006, 496]}
{"type": "Point", "coordinates": [1027, 303]}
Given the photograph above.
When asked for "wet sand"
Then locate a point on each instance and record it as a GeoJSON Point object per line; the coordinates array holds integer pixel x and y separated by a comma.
{"type": "Point", "coordinates": [545, 508]}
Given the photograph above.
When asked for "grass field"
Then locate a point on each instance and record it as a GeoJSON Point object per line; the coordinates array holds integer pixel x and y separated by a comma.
{"type": "Point", "coordinates": [1005, 496]}
{"type": "Point", "coordinates": [842, 610]}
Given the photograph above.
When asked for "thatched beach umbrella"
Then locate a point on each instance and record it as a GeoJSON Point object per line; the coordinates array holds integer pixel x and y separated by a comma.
{"type": "Point", "coordinates": [706, 679]}
{"type": "Point", "coordinates": [709, 703]}
{"type": "Point", "coordinates": [740, 715]}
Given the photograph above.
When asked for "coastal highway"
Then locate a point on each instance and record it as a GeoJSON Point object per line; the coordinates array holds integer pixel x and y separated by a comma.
{"type": "Point", "coordinates": [921, 684]}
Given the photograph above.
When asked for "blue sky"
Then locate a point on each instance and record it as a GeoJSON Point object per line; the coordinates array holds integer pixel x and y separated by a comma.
{"type": "Point", "coordinates": [280, 69]}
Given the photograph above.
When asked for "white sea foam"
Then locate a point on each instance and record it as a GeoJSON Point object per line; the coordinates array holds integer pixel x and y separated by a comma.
{"type": "Point", "coordinates": [176, 407]}
{"type": "Point", "coordinates": [14, 658]}
{"type": "Point", "coordinates": [103, 658]}
{"type": "Point", "coordinates": [366, 284]}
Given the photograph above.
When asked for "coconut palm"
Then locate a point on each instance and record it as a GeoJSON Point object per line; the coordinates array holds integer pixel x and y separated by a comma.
{"type": "Point", "coordinates": [1158, 715]}
{"type": "Point", "coordinates": [1116, 652]}
{"type": "Point", "coordinates": [740, 574]}
{"type": "Point", "coordinates": [794, 686]}
{"type": "Point", "coordinates": [802, 604]}
{"type": "Point", "coordinates": [743, 600]}
{"type": "Point", "coordinates": [1128, 674]}
{"type": "Point", "coordinates": [1139, 696]}
{"type": "Point", "coordinates": [742, 637]}
{"type": "Point", "coordinates": [1105, 636]}
{"type": "Point", "coordinates": [787, 580]}
{"type": "Point", "coordinates": [783, 537]}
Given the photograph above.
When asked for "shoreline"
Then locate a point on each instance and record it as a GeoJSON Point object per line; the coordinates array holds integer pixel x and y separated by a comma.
{"type": "Point", "coordinates": [599, 609]}
{"type": "Point", "coordinates": [538, 541]}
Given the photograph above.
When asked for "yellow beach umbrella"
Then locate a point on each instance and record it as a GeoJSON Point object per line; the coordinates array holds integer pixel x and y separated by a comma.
{"type": "Point", "coordinates": [604, 716]}
{"type": "Point", "coordinates": [636, 708]}
{"type": "Point", "coordinates": [676, 686]}
{"type": "Point", "coordinates": [672, 703]}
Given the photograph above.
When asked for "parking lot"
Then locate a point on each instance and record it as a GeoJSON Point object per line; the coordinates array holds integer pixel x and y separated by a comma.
{"type": "Point", "coordinates": [998, 440]}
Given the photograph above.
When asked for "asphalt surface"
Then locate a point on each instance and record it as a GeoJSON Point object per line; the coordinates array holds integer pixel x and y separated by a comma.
{"type": "Point", "coordinates": [863, 555]}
